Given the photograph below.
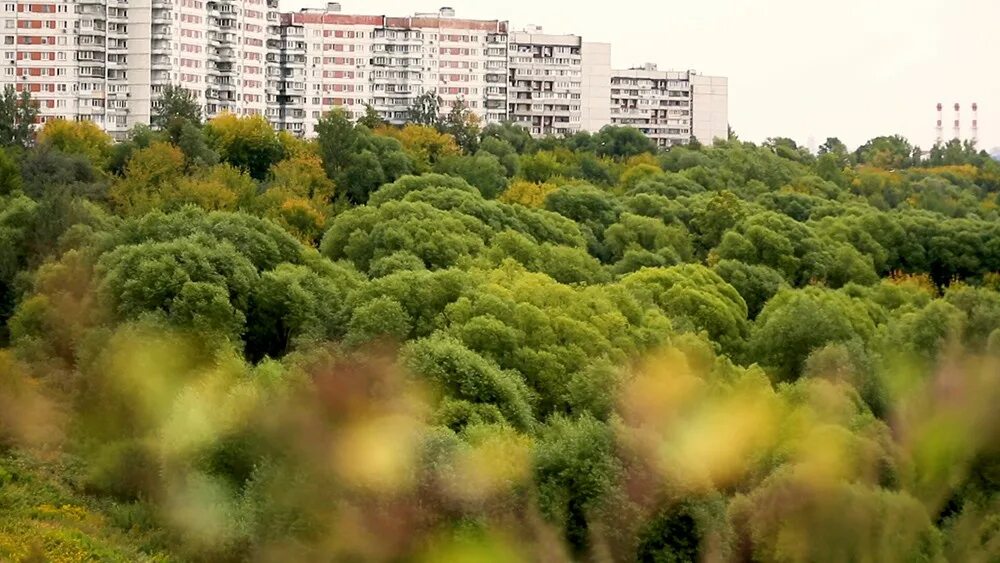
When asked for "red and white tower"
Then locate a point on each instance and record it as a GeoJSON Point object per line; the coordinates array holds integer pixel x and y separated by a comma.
{"type": "Point", "coordinates": [975, 122]}
{"type": "Point", "coordinates": [958, 121]}
{"type": "Point", "coordinates": [939, 130]}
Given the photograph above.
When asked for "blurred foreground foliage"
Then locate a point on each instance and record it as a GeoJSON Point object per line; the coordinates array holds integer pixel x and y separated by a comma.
{"type": "Point", "coordinates": [441, 343]}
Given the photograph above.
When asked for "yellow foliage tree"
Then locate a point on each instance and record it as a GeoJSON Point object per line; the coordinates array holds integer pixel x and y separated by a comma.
{"type": "Point", "coordinates": [301, 218]}
{"type": "Point", "coordinates": [77, 137]}
{"type": "Point", "coordinates": [151, 173]}
{"type": "Point", "coordinates": [644, 158]}
{"type": "Point", "coordinates": [296, 146]}
{"type": "Point", "coordinates": [637, 173]}
{"type": "Point", "coordinates": [220, 187]}
{"type": "Point", "coordinates": [528, 194]}
{"type": "Point", "coordinates": [248, 143]}
{"type": "Point", "coordinates": [154, 179]}
{"type": "Point", "coordinates": [298, 196]}
{"type": "Point", "coordinates": [302, 176]}
{"type": "Point", "coordinates": [425, 144]}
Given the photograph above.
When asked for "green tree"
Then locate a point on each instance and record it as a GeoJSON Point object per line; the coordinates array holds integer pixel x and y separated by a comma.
{"type": "Point", "coordinates": [695, 299]}
{"type": "Point", "coordinates": [248, 143]}
{"type": "Point", "coordinates": [511, 133]}
{"type": "Point", "coordinates": [77, 137]}
{"type": "Point", "coordinates": [372, 119]}
{"type": "Point", "coordinates": [484, 171]}
{"type": "Point", "coordinates": [18, 115]}
{"type": "Point", "coordinates": [10, 175]}
{"type": "Point", "coordinates": [464, 126]}
{"type": "Point", "coordinates": [447, 363]}
{"type": "Point", "coordinates": [796, 322]}
{"type": "Point", "coordinates": [176, 103]}
{"type": "Point", "coordinates": [293, 306]}
{"type": "Point", "coordinates": [788, 149]}
{"type": "Point", "coordinates": [622, 142]}
{"type": "Point", "coordinates": [504, 151]}
{"type": "Point", "coordinates": [576, 470]}
{"type": "Point", "coordinates": [356, 160]}
{"type": "Point", "coordinates": [890, 152]}
{"type": "Point", "coordinates": [425, 110]}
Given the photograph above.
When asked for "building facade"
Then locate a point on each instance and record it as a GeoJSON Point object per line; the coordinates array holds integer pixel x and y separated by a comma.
{"type": "Point", "coordinates": [329, 59]}
{"type": "Point", "coordinates": [670, 107]}
{"type": "Point", "coordinates": [710, 104]}
{"type": "Point", "coordinates": [108, 61]}
{"type": "Point", "coordinates": [557, 82]}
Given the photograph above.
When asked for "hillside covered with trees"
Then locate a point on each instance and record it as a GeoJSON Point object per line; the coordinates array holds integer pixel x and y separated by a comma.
{"type": "Point", "coordinates": [444, 342]}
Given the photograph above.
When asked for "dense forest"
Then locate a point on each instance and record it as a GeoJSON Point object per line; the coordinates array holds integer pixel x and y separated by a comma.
{"type": "Point", "coordinates": [449, 342]}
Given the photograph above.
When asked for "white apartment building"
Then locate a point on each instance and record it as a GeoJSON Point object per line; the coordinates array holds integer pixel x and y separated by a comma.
{"type": "Point", "coordinates": [56, 51]}
{"type": "Point", "coordinates": [107, 60]}
{"type": "Point", "coordinates": [557, 82]}
{"type": "Point", "coordinates": [670, 107]}
{"type": "Point", "coordinates": [464, 60]}
{"type": "Point", "coordinates": [350, 61]}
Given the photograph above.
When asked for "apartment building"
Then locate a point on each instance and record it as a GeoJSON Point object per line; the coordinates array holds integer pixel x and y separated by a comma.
{"type": "Point", "coordinates": [56, 51]}
{"type": "Point", "coordinates": [670, 107]}
{"type": "Point", "coordinates": [465, 61]}
{"type": "Point", "coordinates": [331, 59]}
{"type": "Point", "coordinates": [557, 82]}
{"type": "Point", "coordinates": [107, 60]}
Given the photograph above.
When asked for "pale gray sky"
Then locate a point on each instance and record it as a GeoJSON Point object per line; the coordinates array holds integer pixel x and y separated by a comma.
{"type": "Point", "coordinates": [797, 68]}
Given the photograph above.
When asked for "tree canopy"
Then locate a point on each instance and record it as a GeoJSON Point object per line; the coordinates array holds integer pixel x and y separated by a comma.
{"type": "Point", "coordinates": [443, 341]}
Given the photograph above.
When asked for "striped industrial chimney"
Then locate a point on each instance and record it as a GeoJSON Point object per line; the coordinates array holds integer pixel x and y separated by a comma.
{"type": "Point", "coordinates": [975, 122]}
{"type": "Point", "coordinates": [958, 121]}
{"type": "Point", "coordinates": [939, 130]}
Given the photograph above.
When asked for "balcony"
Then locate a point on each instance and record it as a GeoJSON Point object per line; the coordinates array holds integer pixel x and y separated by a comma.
{"type": "Point", "coordinates": [381, 36]}
{"type": "Point", "coordinates": [92, 72]}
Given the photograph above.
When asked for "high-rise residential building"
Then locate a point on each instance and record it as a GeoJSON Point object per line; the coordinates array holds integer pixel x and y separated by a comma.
{"type": "Point", "coordinates": [351, 61]}
{"type": "Point", "coordinates": [216, 49]}
{"type": "Point", "coordinates": [670, 107]}
{"type": "Point", "coordinates": [464, 61]}
{"type": "Point", "coordinates": [108, 61]}
{"type": "Point", "coordinates": [56, 51]}
{"type": "Point", "coordinates": [556, 82]}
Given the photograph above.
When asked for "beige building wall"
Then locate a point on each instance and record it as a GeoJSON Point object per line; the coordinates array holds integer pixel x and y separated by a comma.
{"type": "Point", "coordinates": [595, 86]}
{"type": "Point", "coordinates": [711, 107]}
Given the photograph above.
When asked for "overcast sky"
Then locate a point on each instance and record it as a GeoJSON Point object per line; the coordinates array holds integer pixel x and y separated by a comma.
{"type": "Point", "coordinates": [797, 68]}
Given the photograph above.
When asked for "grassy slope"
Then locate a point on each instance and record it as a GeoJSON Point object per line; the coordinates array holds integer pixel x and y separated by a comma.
{"type": "Point", "coordinates": [44, 517]}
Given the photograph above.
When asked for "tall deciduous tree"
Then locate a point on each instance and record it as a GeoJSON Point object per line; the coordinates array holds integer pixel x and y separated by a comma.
{"type": "Point", "coordinates": [248, 143]}
{"type": "Point", "coordinates": [176, 103]}
{"type": "Point", "coordinates": [426, 110]}
{"type": "Point", "coordinates": [372, 119]}
{"type": "Point", "coordinates": [464, 126]}
{"type": "Point", "coordinates": [77, 137]}
{"type": "Point", "coordinates": [18, 114]}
